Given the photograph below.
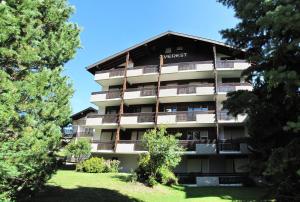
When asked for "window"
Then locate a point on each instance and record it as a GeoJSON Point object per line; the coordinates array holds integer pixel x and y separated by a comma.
{"type": "Point", "coordinates": [170, 108]}
{"type": "Point", "coordinates": [168, 50]}
{"type": "Point", "coordinates": [231, 80]}
{"type": "Point", "coordinates": [203, 135]}
{"type": "Point", "coordinates": [179, 48]}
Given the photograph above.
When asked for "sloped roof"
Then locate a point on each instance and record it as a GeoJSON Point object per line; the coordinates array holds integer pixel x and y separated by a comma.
{"type": "Point", "coordinates": [89, 68]}
{"type": "Point", "coordinates": [83, 113]}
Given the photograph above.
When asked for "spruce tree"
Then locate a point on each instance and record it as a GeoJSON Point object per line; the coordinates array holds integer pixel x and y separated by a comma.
{"type": "Point", "coordinates": [269, 32]}
{"type": "Point", "coordinates": [36, 40]}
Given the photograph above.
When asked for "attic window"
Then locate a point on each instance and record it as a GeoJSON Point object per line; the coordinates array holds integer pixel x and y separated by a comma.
{"type": "Point", "coordinates": [179, 48]}
{"type": "Point", "coordinates": [168, 50]}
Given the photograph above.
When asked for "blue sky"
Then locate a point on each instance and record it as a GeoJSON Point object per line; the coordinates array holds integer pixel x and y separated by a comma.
{"type": "Point", "coordinates": [109, 26]}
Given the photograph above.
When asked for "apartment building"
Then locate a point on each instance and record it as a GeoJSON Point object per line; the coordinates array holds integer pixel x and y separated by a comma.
{"type": "Point", "coordinates": [178, 81]}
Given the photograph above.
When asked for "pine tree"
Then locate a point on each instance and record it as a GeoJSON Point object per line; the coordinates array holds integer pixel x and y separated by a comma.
{"type": "Point", "coordinates": [36, 40]}
{"type": "Point", "coordinates": [269, 32]}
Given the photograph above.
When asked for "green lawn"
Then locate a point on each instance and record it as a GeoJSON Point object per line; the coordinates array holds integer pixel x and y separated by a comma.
{"type": "Point", "coordinates": [73, 186]}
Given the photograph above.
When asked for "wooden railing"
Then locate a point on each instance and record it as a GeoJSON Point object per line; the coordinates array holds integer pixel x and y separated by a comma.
{"type": "Point", "coordinates": [142, 116]}
{"type": "Point", "coordinates": [138, 144]}
{"type": "Point", "coordinates": [146, 69]}
{"type": "Point", "coordinates": [229, 87]}
{"type": "Point", "coordinates": [182, 66]}
{"type": "Point", "coordinates": [104, 145]}
{"type": "Point", "coordinates": [144, 91]}
{"type": "Point", "coordinates": [182, 116]}
{"type": "Point", "coordinates": [106, 118]}
{"type": "Point", "coordinates": [111, 94]}
{"type": "Point", "coordinates": [231, 144]}
{"type": "Point", "coordinates": [187, 89]}
{"type": "Point", "coordinates": [223, 115]}
{"type": "Point", "coordinates": [113, 72]}
{"type": "Point", "coordinates": [227, 63]}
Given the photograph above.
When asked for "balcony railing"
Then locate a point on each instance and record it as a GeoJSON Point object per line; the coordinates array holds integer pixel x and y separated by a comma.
{"type": "Point", "coordinates": [84, 134]}
{"type": "Point", "coordinates": [183, 116]}
{"type": "Point", "coordinates": [142, 117]}
{"type": "Point", "coordinates": [111, 94]}
{"type": "Point", "coordinates": [187, 89]}
{"type": "Point", "coordinates": [229, 87]}
{"type": "Point", "coordinates": [138, 144]}
{"type": "Point", "coordinates": [186, 66]}
{"type": "Point", "coordinates": [147, 69]}
{"type": "Point", "coordinates": [104, 145]}
{"type": "Point", "coordinates": [228, 63]}
{"type": "Point", "coordinates": [232, 145]}
{"type": "Point", "coordinates": [189, 145]}
{"type": "Point", "coordinates": [144, 91]}
{"type": "Point", "coordinates": [113, 72]}
{"type": "Point", "coordinates": [106, 118]}
{"type": "Point", "coordinates": [223, 115]}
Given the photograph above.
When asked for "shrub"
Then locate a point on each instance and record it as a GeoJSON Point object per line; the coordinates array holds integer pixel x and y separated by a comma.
{"type": "Point", "coordinates": [92, 165]}
{"type": "Point", "coordinates": [167, 177]}
{"type": "Point", "coordinates": [132, 177]}
{"type": "Point", "coordinates": [112, 166]}
{"type": "Point", "coordinates": [98, 165]}
{"type": "Point", "coordinates": [151, 181]}
{"type": "Point", "coordinates": [164, 154]}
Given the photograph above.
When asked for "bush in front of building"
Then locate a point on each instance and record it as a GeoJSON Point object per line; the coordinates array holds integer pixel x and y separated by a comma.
{"type": "Point", "coordinates": [167, 177]}
{"type": "Point", "coordinates": [164, 154]}
{"type": "Point", "coordinates": [98, 165]}
{"type": "Point", "coordinates": [79, 149]}
{"type": "Point", "coordinates": [112, 166]}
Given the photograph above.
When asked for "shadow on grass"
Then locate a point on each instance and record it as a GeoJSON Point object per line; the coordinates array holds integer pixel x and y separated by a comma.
{"type": "Point", "coordinates": [123, 178]}
{"type": "Point", "coordinates": [229, 193]}
{"type": "Point", "coordinates": [81, 194]}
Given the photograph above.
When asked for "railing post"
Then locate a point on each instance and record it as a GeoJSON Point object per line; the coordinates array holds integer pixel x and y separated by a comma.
{"type": "Point", "coordinates": [215, 95]}
{"type": "Point", "coordinates": [122, 102]}
{"type": "Point", "coordinates": [161, 61]}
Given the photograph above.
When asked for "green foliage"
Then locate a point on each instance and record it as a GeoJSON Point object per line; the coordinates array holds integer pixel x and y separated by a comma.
{"type": "Point", "coordinates": [92, 165]}
{"type": "Point", "coordinates": [164, 153]}
{"type": "Point", "coordinates": [98, 165]}
{"type": "Point", "coordinates": [36, 39]}
{"type": "Point", "coordinates": [151, 181]}
{"type": "Point", "coordinates": [269, 32]}
{"type": "Point", "coordinates": [112, 166]}
{"type": "Point", "coordinates": [167, 177]}
{"type": "Point", "coordinates": [132, 176]}
{"type": "Point", "coordinates": [79, 149]}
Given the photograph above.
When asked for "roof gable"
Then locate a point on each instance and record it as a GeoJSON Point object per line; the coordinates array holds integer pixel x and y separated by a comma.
{"type": "Point", "coordinates": [120, 56]}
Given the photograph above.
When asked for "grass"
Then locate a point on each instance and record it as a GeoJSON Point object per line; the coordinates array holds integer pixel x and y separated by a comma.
{"type": "Point", "coordinates": [72, 186]}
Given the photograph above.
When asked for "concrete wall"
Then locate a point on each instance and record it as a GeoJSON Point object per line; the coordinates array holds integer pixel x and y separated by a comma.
{"type": "Point", "coordinates": [207, 181]}
{"type": "Point", "coordinates": [128, 162]}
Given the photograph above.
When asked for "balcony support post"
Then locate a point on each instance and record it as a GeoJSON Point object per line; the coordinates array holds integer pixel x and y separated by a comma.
{"type": "Point", "coordinates": [215, 95]}
{"type": "Point", "coordinates": [122, 101]}
{"type": "Point", "coordinates": [161, 62]}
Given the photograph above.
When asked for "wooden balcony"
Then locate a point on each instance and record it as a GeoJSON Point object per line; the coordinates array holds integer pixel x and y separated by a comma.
{"type": "Point", "coordinates": [186, 119]}
{"type": "Point", "coordinates": [110, 77]}
{"type": "Point", "coordinates": [140, 96]}
{"type": "Point", "coordinates": [142, 74]}
{"type": "Point", "coordinates": [103, 146]}
{"type": "Point", "coordinates": [187, 70]}
{"type": "Point", "coordinates": [106, 121]}
{"type": "Point", "coordinates": [106, 98]}
{"type": "Point", "coordinates": [130, 146]}
{"type": "Point", "coordinates": [224, 117]}
{"type": "Point", "coordinates": [233, 146]}
{"type": "Point", "coordinates": [186, 93]}
{"type": "Point", "coordinates": [224, 88]}
{"type": "Point", "coordinates": [137, 120]}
